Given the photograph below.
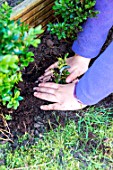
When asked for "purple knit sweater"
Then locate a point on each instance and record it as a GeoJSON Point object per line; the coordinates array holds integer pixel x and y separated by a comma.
{"type": "Point", "coordinates": [97, 82]}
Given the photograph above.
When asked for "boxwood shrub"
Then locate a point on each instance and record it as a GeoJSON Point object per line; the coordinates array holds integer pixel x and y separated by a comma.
{"type": "Point", "coordinates": [15, 39]}
{"type": "Point", "coordinates": [73, 13]}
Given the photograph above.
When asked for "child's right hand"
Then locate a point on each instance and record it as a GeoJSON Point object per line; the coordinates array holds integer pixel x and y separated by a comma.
{"type": "Point", "coordinates": [78, 66]}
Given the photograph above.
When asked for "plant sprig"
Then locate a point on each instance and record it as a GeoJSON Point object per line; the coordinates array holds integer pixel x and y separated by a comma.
{"type": "Point", "coordinates": [61, 73]}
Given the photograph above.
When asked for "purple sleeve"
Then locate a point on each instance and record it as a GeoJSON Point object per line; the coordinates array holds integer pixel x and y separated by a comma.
{"type": "Point", "coordinates": [97, 82]}
{"type": "Point", "coordinates": [95, 30]}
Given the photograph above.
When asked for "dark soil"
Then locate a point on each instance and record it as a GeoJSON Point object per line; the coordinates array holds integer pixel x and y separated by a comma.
{"type": "Point", "coordinates": [28, 117]}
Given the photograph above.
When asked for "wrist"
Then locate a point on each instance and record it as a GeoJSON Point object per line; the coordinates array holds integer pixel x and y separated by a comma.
{"type": "Point", "coordinates": [82, 58]}
{"type": "Point", "coordinates": [79, 101]}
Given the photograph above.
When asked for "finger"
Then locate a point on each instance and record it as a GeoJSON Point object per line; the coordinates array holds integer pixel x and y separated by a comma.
{"type": "Point", "coordinates": [46, 96]}
{"type": "Point", "coordinates": [47, 78]}
{"type": "Point", "coordinates": [58, 106]}
{"type": "Point", "coordinates": [52, 66]}
{"type": "Point", "coordinates": [45, 90]}
{"type": "Point", "coordinates": [48, 73]}
{"type": "Point", "coordinates": [55, 106]}
{"type": "Point", "coordinates": [44, 79]}
{"type": "Point", "coordinates": [49, 84]}
{"type": "Point", "coordinates": [40, 79]}
{"type": "Point", "coordinates": [73, 76]}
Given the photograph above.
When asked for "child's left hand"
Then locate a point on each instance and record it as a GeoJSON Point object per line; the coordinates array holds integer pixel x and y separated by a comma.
{"type": "Point", "coordinates": [62, 96]}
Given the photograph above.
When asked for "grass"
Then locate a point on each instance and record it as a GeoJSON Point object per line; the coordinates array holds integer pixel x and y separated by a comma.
{"type": "Point", "coordinates": [86, 144]}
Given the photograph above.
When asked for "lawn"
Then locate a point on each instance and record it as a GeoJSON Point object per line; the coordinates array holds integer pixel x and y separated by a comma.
{"type": "Point", "coordinates": [86, 144]}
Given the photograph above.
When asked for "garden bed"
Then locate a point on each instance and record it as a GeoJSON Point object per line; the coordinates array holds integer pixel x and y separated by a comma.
{"type": "Point", "coordinates": [29, 114]}
{"type": "Point", "coordinates": [28, 117]}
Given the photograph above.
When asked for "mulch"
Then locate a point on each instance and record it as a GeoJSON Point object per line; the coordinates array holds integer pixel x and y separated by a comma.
{"type": "Point", "coordinates": [28, 117]}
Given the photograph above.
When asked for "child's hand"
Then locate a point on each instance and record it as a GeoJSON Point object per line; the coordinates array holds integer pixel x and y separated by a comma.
{"type": "Point", "coordinates": [78, 66]}
{"type": "Point", "coordinates": [62, 96]}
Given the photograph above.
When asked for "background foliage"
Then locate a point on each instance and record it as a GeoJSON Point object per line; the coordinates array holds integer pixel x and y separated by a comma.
{"type": "Point", "coordinates": [73, 13]}
{"type": "Point", "coordinates": [15, 39]}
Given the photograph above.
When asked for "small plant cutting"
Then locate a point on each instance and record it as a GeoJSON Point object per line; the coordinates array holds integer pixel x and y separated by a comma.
{"type": "Point", "coordinates": [15, 39]}
{"type": "Point", "coordinates": [60, 74]}
{"type": "Point", "coordinates": [73, 14]}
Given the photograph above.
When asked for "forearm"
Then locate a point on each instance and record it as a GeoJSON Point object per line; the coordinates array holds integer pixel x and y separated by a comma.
{"type": "Point", "coordinates": [97, 83]}
{"type": "Point", "coordinates": [95, 30]}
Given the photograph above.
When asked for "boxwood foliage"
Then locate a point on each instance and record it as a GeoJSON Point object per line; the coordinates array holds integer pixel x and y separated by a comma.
{"type": "Point", "coordinates": [15, 39]}
{"type": "Point", "coordinates": [73, 13]}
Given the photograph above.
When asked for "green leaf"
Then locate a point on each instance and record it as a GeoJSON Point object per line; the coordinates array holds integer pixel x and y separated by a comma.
{"type": "Point", "coordinates": [16, 105]}
{"type": "Point", "coordinates": [16, 38]}
{"type": "Point", "coordinates": [38, 30]}
{"type": "Point", "coordinates": [7, 98]}
{"type": "Point", "coordinates": [30, 54]}
{"type": "Point", "coordinates": [17, 93]}
{"type": "Point", "coordinates": [9, 105]}
{"type": "Point", "coordinates": [73, 14]}
{"type": "Point", "coordinates": [20, 98]}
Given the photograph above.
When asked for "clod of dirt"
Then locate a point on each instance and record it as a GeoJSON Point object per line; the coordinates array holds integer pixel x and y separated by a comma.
{"type": "Point", "coordinates": [50, 43]}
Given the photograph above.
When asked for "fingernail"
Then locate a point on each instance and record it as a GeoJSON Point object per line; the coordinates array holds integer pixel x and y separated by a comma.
{"type": "Point", "coordinates": [67, 81]}
{"type": "Point", "coordinates": [40, 84]}
{"type": "Point", "coordinates": [41, 107]}
{"type": "Point", "coordinates": [37, 81]}
{"type": "Point", "coordinates": [34, 88]}
{"type": "Point", "coordinates": [35, 93]}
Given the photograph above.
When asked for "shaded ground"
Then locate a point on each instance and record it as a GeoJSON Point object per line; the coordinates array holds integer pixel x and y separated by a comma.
{"type": "Point", "coordinates": [28, 117]}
